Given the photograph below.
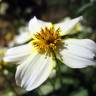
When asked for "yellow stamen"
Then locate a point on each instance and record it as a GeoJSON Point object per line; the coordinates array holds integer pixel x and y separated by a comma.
{"type": "Point", "coordinates": [46, 40]}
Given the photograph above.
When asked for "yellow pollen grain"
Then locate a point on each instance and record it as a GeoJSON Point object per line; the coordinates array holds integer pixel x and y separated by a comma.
{"type": "Point", "coordinates": [46, 40]}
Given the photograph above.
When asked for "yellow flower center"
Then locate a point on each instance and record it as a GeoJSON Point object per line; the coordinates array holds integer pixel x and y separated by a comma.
{"type": "Point", "coordinates": [47, 40]}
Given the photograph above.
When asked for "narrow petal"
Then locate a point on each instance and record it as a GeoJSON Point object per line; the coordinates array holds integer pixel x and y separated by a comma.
{"type": "Point", "coordinates": [24, 35]}
{"type": "Point", "coordinates": [44, 23]}
{"type": "Point", "coordinates": [35, 25]}
{"type": "Point", "coordinates": [74, 61]}
{"type": "Point", "coordinates": [86, 43]}
{"type": "Point", "coordinates": [17, 54]}
{"type": "Point", "coordinates": [33, 72]}
{"type": "Point", "coordinates": [22, 38]}
{"type": "Point", "coordinates": [79, 53]}
{"type": "Point", "coordinates": [68, 25]}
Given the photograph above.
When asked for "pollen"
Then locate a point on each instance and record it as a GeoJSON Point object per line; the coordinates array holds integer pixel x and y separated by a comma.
{"type": "Point", "coordinates": [47, 40]}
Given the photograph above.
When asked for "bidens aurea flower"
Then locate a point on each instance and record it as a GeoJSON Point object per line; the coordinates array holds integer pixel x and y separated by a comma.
{"type": "Point", "coordinates": [36, 58]}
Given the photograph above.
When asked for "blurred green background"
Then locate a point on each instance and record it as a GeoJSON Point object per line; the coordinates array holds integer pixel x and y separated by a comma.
{"type": "Point", "coordinates": [15, 14]}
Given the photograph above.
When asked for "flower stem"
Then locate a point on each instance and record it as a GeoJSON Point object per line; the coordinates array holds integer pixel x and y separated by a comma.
{"type": "Point", "coordinates": [52, 83]}
{"type": "Point", "coordinates": [58, 69]}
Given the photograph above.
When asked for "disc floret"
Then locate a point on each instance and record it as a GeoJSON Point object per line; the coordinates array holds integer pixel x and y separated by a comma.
{"type": "Point", "coordinates": [47, 39]}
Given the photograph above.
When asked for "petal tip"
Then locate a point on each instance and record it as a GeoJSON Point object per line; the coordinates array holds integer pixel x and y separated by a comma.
{"type": "Point", "coordinates": [80, 18]}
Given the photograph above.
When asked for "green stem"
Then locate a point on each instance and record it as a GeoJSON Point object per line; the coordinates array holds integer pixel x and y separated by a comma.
{"type": "Point", "coordinates": [58, 69]}
{"type": "Point", "coordinates": [59, 72]}
{"type": "Point", "coordinates": [52, 83]}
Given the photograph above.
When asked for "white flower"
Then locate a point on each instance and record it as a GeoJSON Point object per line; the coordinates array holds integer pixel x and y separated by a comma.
{"type": "Point", "coordinates": [37, 58]}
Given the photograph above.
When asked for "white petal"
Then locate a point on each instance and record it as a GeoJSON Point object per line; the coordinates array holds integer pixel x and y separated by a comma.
{"type": "Point", "coordinates": [44, 23]}
{"type": "Point", "coordinates": [35, 25]}
{"type": "Point", "coordinates": [68, 25]}
{"type": "Point", "coordinates": [22, 38]}
{"type": "Point", "coordinates": [74, 61]}
{"type": "Point", "coordinates": [78, 55]}
{"type": "Point", "coordinates": [17, 54]}
{"type": "Point", "coordinates": [33, 72]}
{"type": "Point", "coordinates": [86, 43]}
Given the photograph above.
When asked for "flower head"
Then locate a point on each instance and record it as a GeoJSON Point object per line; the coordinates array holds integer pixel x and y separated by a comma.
{"type": "Point", "coordinates": [47, 40]}
{"type": "Point", "coordinates": [36, 58]}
